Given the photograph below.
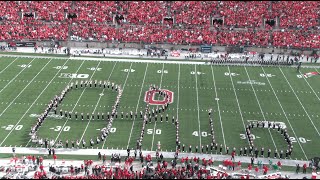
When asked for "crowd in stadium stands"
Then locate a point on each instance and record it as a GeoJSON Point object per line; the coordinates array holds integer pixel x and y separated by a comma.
{"type": "Point", "coordinates": [193, 12]}
{"type": "Point", "coordinates": [143, 21]}
{"type": "Point", "coordinates": [184, 168]}
{"type": "Point", "coordinates": [302, 14]}
{"type": "Point", "coordinates": [244, 14]}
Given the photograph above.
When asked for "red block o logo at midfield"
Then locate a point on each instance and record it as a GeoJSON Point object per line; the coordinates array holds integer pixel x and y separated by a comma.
{"type": "Point", "coordinates": [150, 97]}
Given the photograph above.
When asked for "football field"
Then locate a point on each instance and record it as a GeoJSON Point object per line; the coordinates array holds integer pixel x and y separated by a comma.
{"type": "Point", "coordinates": [237, 95]}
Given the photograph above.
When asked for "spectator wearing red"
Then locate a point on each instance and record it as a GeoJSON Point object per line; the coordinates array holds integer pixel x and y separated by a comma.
{"type": "Point", "coordinates": [33, 159]}
{"type": "Point", "coordinates": [279, 165]}
{"type": "Point", "coordinates": [239, 165]}
{"type": "Point", "coordinates": [249, 167]}
{"type": "Point", "coordinates": [265, 169]}
{"type": "Point", "coordinates": [256, 170]}
{"type": "Point", "coordinates": [41, 167]}
{"type": "Point", "coordinates": [54, 158]}
{"type": "Point", "coordinates": [41, 160]}
{"type": "Point", "coordinates": [304, 168]}
{"type": "Point", "coordinates": [232, 155]}
{"type": "Point", "coordinates": [29, 157]}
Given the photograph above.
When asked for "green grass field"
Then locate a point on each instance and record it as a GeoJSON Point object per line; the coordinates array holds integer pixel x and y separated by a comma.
{"type": "Point", "coordinates": [279, 94]}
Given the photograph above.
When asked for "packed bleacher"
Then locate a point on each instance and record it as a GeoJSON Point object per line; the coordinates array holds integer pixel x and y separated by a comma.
{"type": "Point", "coordinates": [244, 22]}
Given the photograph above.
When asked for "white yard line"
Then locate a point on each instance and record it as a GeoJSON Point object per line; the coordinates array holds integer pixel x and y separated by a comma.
{"type": "Point", "coordinates": [285, 114]}
{"type": "Point", "coordinates": [9, 65]}
{"type": "Point", "coordinates": [17, 75]}
{"type": "Point", "coordinates": [32, 102]}
{"type": "Point", "coordinates": [215, 89]}
{"type": "Point", "coordinates": [66, 85]}
{"type": "Point", "coordinates": [124, 85]}
{"type": "Point", "coordinates": [96, 104]}
{"type": "Point", "coordinates": [155, 123]}
{"type": "Point", "coordinates": [23, 89]}
{"type": "Point", "coordinates": [255, 94]}
{"type": "Point", "coordinates": [235, 93]}
{"type": "Point", "coordinates": [300, 102]}
{"type": "Point", "coordinates": [178, 93]}
{"type": "Point", "coordinates": [196, 74]}
{"type": "Point", "coordinates": [77, 100]}
{"type": "Point", "coordinates": [310, 86]}
{"type": "Point", "coordinates": [144, 77]}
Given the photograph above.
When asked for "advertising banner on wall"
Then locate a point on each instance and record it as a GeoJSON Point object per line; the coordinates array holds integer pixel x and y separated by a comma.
{"type": "Point", "coordinates": [21, 44]}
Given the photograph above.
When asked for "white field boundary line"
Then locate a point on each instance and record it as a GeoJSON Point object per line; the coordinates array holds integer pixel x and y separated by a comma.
{"type": "Point", "coordinates": [215, 89]}
{"type": "Point", "coordinates": [178, 93]}
{"type": "Point", "coordinates": [32, 103]}
{"type": "Point", "coordinates": [68, 84]}
{"type": "Point", "coordinates": [124, 85]}
{"type": "Point", "coordinates": [23, 89]}
{"type": "Point", "coordinates": [235, 93]}
{"type": "Point", "coordinates": [112, 59]}
{"type": "Point", "coordinates": [196, 74]}
{"type": "Point", "coordinates": [9, 65]}
{"type": "Point", "coordinates": [77, 101]}
{"type": "Point", "coordinates": [310, 86]}
{"type": "Point", "coordinates": [85, 130]}
{"type": "Point", "coordinates": [285, 114]}
{"type": "Point", "coordinates": [181, 61]}
{"type": "Point", "coordinates": [300, 102]}
{"type": "Point", "coordinates": [255, 94]}
{"type": "Point", "coordinates": [155, 123]}
{"type": "Point", "coordinates": [144, 77]}
{"type": "Point", "coordinates": [123, 153]}
{"type": "Point", "coordinates": [17, 75]}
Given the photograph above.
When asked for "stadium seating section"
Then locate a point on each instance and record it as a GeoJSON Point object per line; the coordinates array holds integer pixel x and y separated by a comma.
{"type": "Point", "coordinates": [143, 21]}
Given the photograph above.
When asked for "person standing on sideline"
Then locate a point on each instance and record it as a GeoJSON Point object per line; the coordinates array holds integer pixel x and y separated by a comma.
{"type": "Point", "coordinates": [54, 158]}
{"type": "Point", "coordinates": [298, 168]}
{"type": "Point", "coordinates": [304, 168]}
{"type": "Point", "coordinates": [232, 155]}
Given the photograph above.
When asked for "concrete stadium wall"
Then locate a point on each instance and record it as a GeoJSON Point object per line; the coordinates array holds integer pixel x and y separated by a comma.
{"type": "Point", "coordinates": [165, 46]}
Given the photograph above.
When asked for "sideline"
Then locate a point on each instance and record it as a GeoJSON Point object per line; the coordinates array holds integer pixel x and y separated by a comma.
{"type": "Point", "coordinates": [156, 61]}
{"type": "Point", "coordinates": [108, 152]}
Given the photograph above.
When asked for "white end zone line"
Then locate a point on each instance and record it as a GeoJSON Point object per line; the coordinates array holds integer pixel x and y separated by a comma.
{"type": "Point", "coordinates": [97, 102]}
{"type": "Point", "coordinates": [235, 93]}
{"type": "Point", "coordinates": [144, 77]}
{"type": "Point", "coordinates": [215, 89]}
{"type": "Point", "coordinates": [124, 85]}
{"type": "Point", "coordinates": [32, 103]}
{"type": "Point", "coordinates": [285, 114]}
{"type": "Point", "coordinates": [155, 123]}
{"type": "Point", "coordinates": [195, 70]}
{"type": "Point", "coordinates": [300, 102]}
{"type": "Point", "coordinates": [255, 94]}
{"type": "Point", "coordinates": [17, 75]}
{"type": "Point", "coordinates": [8, 65]}
{"type": "Point", "coordinates": [77, 100]}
